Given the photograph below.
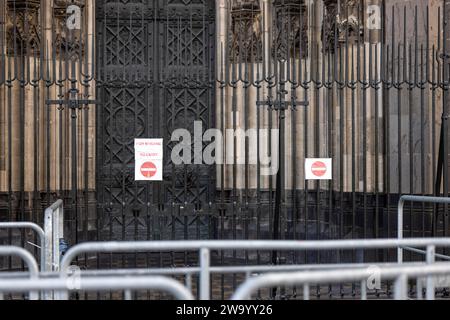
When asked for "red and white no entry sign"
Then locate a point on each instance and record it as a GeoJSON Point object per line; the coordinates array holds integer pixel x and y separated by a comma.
{"type": "Point", "coordinates": [149, 169]}
{"type": "Point", "coordinates": [148, 159]}
{"type": "Point", "coordinates": [318, 169]}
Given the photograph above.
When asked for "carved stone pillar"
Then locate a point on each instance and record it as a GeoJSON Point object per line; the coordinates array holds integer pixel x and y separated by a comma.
{"type": "Point", "coordinates": [23, 26]}
{"type": "Point", "coordinates": [67, 40]}
{"type": "Point", "coordinates": [342, 21]}
{"type": "Point", "coordinates": [329, 29]}
{"type": "Point", "coordinates": [246, 44]}
{"type": "Point", "coordinates": [291, 30]}
{"type": "Point", "coordinates": [2, 96]}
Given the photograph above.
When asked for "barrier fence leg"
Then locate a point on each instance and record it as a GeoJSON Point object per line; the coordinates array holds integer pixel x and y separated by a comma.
{"type": "Point", "coordinates": [204, 274]}
{"type": "Point", "coordinates": [431, 258]}
{"type": "Point", "coordinates": [400, 230]}
{"type": "Point", "coordinates": [401, 288]}
{"type": "Point", "coordinates": [189, 282]}
{"type": "Point", "coordinates": [363, 290]}
{"type": "Point", "coordinates": [306, 296]}
{"type": "Point", "coordinates": [419, 288]}
{"type": "Point", "coordinates": [48, 231]}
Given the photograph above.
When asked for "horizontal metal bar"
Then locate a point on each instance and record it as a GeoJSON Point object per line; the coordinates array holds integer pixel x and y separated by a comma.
{"type": "Point", "coordinates": [401, 204]}
{"type": "Point", "coordinates": [335, 276]}
{"type": "Point", "coordinates": [102, 284]}
{"type": "Point", "coordinates": [144, 246]}
{"type": "Point", "coordinates": [23, 225]}
{"type": "Point", "coordinates": [227, 270]}
{"type": "Point", "coordinates": [71, 102]}
{"type": "Point", "coordinates": [195, 270]}
{"type": "Point", "coordinates": [441, 256]}
{"type": "Point", "coordinates": [411, 198]}
{"type": "Point", "coordinates": [282, 104]}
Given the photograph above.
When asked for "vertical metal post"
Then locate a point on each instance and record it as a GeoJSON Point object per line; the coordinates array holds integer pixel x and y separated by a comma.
{"type": "Point", "coordinates": [431, 258]}
{"type": "Point", "coordinates": [400, 229]}
{"type": "Point", "coordinates": [400, 287]}
{"type": "Point", "coordinates": [280, 174]}
{"type": "Point", "coordinates": [189, 282]}
{"type": "Point", "coordinates": [419, 288]}
{"type": "Point", "coordinates": [47, 249]}
{"type": "Point", "coordinates": [128, 296]}
{"type": "Point", "coordinates": [363, 290]}
{"type": "Point", "coordinates": [446, 115]}
{"type": "Point", "coordinates": [204, 273]}
{"type": "Point", "coordinates": [48, 231]}
{"type": "Point", "coordinates": [306, 292]}
{"type": "Point", "coordinates": [74, 139]}
{"type": "Point", "coordinates": [56, 237]}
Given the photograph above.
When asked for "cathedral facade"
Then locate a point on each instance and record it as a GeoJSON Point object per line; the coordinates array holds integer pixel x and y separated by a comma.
{"type": "Point", "coordinates": [363, 83]}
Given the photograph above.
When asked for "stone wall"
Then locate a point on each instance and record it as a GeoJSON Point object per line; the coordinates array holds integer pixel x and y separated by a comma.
{"type": "Point", "coordinates": [40, 155]}
{"type": "Point", "coordinates": [357, 126]}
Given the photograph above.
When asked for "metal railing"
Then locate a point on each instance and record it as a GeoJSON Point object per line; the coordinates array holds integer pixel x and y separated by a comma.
{"type": "Point", "coordinates": [59, 282]}
{"type": "Point", "coordinates": [49, 237]}
{"type": "Point", "coordinates": [400, 274]}
{"type": "Point", "coordinates": [126, 284]}
{"type": "Point", "coordinates": [39, 231]}
{"type": "Point", "coordinates": [29, 260]}
{"type": "Point", "coordinates": [204, 248]}
{"type": "Point", "coordinates": [401, 204]}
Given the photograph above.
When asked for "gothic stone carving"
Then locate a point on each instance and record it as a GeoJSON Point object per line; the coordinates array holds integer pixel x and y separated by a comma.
{"type": "Point", "coordinates": [342, 21]}
{"type": "Point", "coordinates": [67, 41]}
{"type": "Point", "coordinates": [291, 30]}
{"type": "Point", "coordinates": [22, 26]}
{"type": "Point", "coordinates": [246, 44]}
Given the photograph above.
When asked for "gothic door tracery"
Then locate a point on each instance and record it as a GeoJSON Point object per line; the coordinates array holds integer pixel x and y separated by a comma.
{"type": "Point", "coordinates": [155, 74]}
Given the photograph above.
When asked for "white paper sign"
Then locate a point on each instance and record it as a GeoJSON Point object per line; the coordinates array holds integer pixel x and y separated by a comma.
{"type": "Point", "coordinates": [148, 159]}
{"type": "Point", "coordinates": [319, 169]}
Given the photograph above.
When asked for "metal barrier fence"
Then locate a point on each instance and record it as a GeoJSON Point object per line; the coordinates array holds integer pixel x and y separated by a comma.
{"type": "Point", "coordinates": [54, 231]}
{"type": "Point", "coordinates": [40, 233]}
{"type": "Point", "coordinates": [49, 237]}
{"type": "Point", "coordinates": [401, 204]}
{"type": "Point", "coordinates": [61, 283]}
{"type": "Point", "coordinates": [400, 274]}
{"type": "Point", "coordinates": [29, 261]}
{"type": "Point", "coordinates": [376, 101]}
{"type": "Point", "coordinates": [205, 247]}
{"type": "Point", "coordinates": [99, 284]}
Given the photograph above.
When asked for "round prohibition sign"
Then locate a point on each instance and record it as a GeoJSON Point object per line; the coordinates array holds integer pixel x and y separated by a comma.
{"type": "Point", "coordinates": [148, 169]}
{"type": "Point", "coordinates": [319, 169]}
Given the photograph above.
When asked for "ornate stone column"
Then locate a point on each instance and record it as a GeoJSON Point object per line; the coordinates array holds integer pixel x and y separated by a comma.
{"type": "Point", "coordinates": [3, 132]}
{"type": "Point", "coordinates": [341, 18]}
{"type": "Point", "coordinates": [23, 44]}
{"type": "Point", "coordinates": [24, 15]}
{"type": "Point", "coordinates": [246, 44]}
{"type": "Point", "coordinates": [291, 29]}
{"type": "Point", "coordinates": [68, 40]}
